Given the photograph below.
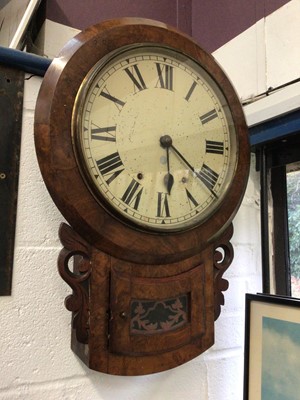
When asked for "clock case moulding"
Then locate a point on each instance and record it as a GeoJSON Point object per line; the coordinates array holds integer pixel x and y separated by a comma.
{"type": "Point", "coordinates": [142, 302]}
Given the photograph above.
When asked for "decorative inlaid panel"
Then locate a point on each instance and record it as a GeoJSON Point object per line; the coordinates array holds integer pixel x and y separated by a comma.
{"type": "Point", "coordinates": [153, 317]}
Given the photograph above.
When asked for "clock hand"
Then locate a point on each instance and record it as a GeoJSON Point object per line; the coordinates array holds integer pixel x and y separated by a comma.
{"type": "Point", "coordinates": [165, 142]}
{"type": "Point", "coordinates": [168, 179]}
{"type": "Point", "coordinates": [202, 179]}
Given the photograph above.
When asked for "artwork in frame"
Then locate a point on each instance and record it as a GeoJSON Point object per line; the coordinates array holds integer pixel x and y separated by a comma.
{"type": "Point", "coordinates": [272, 348]}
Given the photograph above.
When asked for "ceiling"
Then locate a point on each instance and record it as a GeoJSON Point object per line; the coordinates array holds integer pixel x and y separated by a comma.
{"type": "Point", "coordinates": [3, 3]}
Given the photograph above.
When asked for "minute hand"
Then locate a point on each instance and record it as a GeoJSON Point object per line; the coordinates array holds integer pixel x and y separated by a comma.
{"type": "Point", "coordinates": [203, 178]}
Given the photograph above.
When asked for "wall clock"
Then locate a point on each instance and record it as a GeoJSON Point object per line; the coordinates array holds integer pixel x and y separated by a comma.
{"type": "Point", "coordinates": [143, 146]}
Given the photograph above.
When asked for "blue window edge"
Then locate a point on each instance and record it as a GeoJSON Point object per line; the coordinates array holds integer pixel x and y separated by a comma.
{"type": "Point", "coordinates": [275, 129]}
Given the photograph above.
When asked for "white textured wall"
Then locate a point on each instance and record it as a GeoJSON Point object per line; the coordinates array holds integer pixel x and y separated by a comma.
{"type": "Point", "coordinates": [265, 55]}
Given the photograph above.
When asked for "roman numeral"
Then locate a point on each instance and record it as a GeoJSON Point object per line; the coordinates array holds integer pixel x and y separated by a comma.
{"type": "Point", "coordinates": [109, 166]}
{"type": "Point", "coordinates": [209, 116]}
{"type": "Point", "coordinates": [118, 103]}
{"type": "Point", "coordinates": [136, 77]}
{"type": "Point", "coordinates": [165, 76]}
{"type": "Point", "coordinates": [192, 202]}
{"type": "Point", "coordinates": [107, 134]}
{"type": "Point", "coordinates": [214, 147]}
{"type": "Point", "coordinates": [162, 205]}
{"type": "Point", "coordinates": [190, 92]}
{"type": "Point", "coordinates": [132, 195]}
{"type": "Point", "coordinates": [209, 177]}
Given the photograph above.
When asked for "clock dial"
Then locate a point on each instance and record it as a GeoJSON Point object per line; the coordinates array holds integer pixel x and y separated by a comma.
{"type": "Point", "coordinates": [155, 138]}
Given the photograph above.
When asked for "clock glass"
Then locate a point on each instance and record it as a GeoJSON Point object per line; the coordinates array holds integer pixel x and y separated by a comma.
{"type": "Point", "coordinates": [154, 138]}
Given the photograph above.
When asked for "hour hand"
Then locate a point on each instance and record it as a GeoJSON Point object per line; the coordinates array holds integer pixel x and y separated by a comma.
{"type": "Point", "coordinates": [166, 142]}
{"type": "Point", "coordinates": [169, 181]}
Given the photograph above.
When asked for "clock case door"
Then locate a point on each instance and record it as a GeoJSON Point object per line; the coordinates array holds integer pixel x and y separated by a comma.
{"type": "Point", "coordinates": [155, 315]}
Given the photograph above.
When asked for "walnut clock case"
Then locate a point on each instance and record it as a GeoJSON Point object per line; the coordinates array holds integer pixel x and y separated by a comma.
{"type": "Point", "coordinates": [143, 146]}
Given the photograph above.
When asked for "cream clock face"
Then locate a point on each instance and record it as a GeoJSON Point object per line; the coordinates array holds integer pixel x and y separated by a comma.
{"type": "Point", "coordinates": [154, 139]}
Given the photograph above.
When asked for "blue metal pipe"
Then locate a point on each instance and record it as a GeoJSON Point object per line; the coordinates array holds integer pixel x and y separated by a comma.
{"type": "Point", "coordinates": [26, 62]}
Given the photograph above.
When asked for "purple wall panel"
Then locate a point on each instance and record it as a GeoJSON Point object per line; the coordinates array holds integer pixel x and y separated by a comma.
{"type": "Point", "coordinates": [80, 14]}
{"type": "Point", "coordinates": [211, 22]}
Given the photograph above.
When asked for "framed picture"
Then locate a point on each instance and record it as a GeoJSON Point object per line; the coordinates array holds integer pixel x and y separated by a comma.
{"type": "Point", "coordinates": [272, 348]}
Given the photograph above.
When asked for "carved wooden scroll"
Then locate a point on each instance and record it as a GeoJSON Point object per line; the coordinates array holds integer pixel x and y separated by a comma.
{"type": "Point", "coordinates": [223, 256]}
{"type": "Point", "coordinates": [78, 279]}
